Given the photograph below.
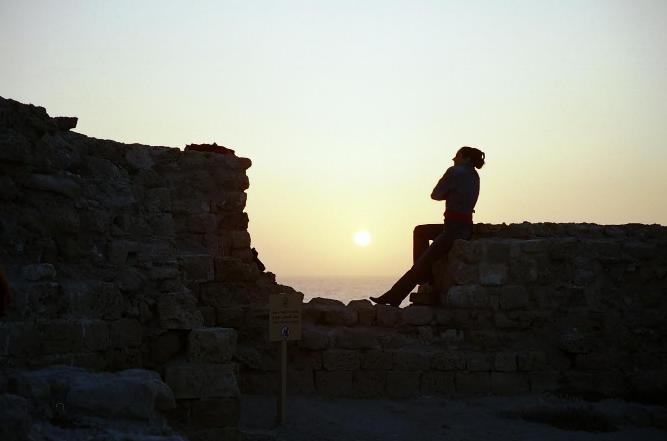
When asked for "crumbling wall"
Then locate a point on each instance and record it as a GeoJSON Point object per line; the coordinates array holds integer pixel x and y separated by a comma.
{"type": "Point", "coordinates": [126, 256]}
{"type": "Point", "coordinates": [577, 309]}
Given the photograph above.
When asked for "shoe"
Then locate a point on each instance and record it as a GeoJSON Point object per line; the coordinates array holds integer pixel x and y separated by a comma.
{"type": "Point", "coordinates": [382, 301]}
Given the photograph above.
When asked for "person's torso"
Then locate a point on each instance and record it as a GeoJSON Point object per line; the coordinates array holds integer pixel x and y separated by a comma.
{"type": "Point", "coordinates": [466, 190]}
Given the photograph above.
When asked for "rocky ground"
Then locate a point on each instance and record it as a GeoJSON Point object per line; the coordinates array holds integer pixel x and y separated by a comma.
{"type": "Point", "coordinates": [541, 418]}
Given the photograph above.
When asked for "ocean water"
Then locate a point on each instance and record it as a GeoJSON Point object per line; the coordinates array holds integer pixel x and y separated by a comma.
{"type": "Point", "coordinates": [339, 288]}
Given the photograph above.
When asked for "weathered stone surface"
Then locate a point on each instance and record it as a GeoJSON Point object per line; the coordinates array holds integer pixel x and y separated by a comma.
{"type": "Point", "coordinates": [43, 271]}
{"type": "Point", "coordinates": [532, 361]}
{"type": "Point", "coordinates": [446, 361]}
{"type": "Point", "coordinates": [15, 420]}
{"type": "Point", "coordinates": [340, 316]}
{"type": "Point", "coordinates": [386, 316]}
{"type": "Point", "coordinates": [462, 273]}
{"type": "Point", "coordinates": [576, 343]}
{"type": "Point", "coordinates": [355, 338]}
{"type": "Point", "coordinates": [125, 332]}
{"type": "Point", "coordinates": [202, 223]}
{"type": "Point", "coordinates": [229, 269]}
{"type": "Point", "coordinates": [505, 362]}
{"type": "Point", "coordinates": [365, 311]}
{"type": "Point", "coordinates": [513, 297]}
{"type": "Point", "coordinates": [313, 337]}
{"type": "Point", "coordinates": [139, 158]}
{"type": "Point", "coordinates": [478, 362]}
{"type": "Point", "coordinates": [212, 345]}
{"type": "Point", "coordinates": [438, 383]}
{"type": "Point", "coordinates": [467, 296]}
{"type": "Point", "coordinates": [189, 380]}
{"type": "Point", "coordinates": [492, 273]}
{"type": "Point", "coordinates": [563, 248]}
{"type": "Point", "coordinates": [340, 359]}
{"type": "Point", "coordinates": [377, 360]}
{"type": "Point", "coordinates": [164, 347]}
{"type": "Point", "coordinates": [417, 315]}
{"type": "Point", "coordinates": [197, 267]}
{"type": "Point", "coordinates": [466, 251]}
{"type": "Point", "coordinates": [411, 360]}
{"type": "Point", "coordinates": [178, 310]}
{"type": "Point", "coordinates": [61, 185]}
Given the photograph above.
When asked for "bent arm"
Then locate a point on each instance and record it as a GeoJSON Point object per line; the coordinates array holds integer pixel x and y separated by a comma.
{"type": "Point", "coordinates": [444, 185]}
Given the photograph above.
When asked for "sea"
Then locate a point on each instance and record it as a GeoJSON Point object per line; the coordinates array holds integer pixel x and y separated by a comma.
{"type": "Point", "coordinates": [340, 288]}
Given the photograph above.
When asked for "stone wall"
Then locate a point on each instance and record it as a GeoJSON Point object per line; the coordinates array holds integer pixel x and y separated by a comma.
{"type": "Point", "coordinates": [127, 256]}
{"type": "Point", "coordinates": [524, 308]}
{"type": "Point", "coordinates": [136, 257]}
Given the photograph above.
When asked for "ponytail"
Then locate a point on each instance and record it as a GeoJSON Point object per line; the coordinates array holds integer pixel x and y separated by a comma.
{"type": "Point", "coordinates": [476, 156]}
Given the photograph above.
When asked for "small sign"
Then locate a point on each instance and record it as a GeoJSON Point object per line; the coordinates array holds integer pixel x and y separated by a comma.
{"type": "Point", "coordinates": [284, 317]}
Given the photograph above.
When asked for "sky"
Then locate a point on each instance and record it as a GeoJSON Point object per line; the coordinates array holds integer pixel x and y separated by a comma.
{"type": "Point", "coordinates": [352, 110]}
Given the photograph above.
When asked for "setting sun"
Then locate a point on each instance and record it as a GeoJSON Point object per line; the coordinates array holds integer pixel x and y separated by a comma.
{"type": "Point", "coordinates": [362, 238]}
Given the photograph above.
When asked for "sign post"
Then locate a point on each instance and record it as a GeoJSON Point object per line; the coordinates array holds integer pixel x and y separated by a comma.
{"type": "Point", "coordinates": [284, 326]}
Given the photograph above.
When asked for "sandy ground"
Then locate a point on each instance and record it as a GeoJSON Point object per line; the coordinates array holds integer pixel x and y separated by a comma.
{"type": "Point", "coordinates": [428, 418]}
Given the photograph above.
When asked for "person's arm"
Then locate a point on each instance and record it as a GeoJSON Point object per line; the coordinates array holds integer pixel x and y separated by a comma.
{"type": "Point", "coordinates": [444, 185]}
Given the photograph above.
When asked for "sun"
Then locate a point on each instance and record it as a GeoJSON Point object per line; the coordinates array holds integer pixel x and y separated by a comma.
{"type": "Point", "coordinates": [362, 238]}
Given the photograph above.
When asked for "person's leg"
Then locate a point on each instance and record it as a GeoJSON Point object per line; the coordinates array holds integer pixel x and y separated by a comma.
{"type": "Point", "coordinates": [423, 266]}
{"type": "Point", "coordinates": [421, 236]}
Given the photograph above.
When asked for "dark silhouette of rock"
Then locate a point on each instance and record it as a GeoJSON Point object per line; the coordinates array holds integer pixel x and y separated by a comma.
{"type": "Point", "coordinates": [215, 148]}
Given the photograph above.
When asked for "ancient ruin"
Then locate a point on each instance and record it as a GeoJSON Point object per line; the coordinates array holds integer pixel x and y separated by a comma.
{"type": "Point", "coordinates": [139, 310]}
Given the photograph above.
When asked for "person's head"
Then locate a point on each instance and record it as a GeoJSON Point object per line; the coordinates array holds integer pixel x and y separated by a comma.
{"type": "Point", "coordinates": [469, 155]}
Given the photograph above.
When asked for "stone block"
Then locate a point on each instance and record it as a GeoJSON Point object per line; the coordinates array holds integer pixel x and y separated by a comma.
{"type": "Point", "coordinates": [403, 384]}
{"type": "Point", "coordinates": [313, 337]}
{"type": "Point", "coordinates": [595, 362]}
{"type": "Point", "coordinates": [42, 271]}
{"type": "Point", "coordinates": [492, 274]}
{"type": "Point", "coordinates": [158, 200]}
{"type": "Point", "coordinates": [417, 315]}
{"type": "Point", "coordinates": [524, 269]}
{"type": "Point", "coordinates": [467, 296]}
{"type": "Point", "coordinates": [216, 412]}
{"type": "Point", "coordinates": [355, 338]}
{"type": "Point", "coordinates": [138, 157]}
{"type": "Point", "coordinates": [223, 294]}
{"type": "Point", "coordinates": [369, 384]}
{"type": "Point", "coordinates": [164, 347]}
{"type": "Point", "coordinates": [583, 271]}
{"type": "Point", "coordinates": [340, 316]}
{"type": "Point", "coordinates": [340, 360]}
{"type": "Point", "coordinates": [509, 383]}
{"type": "Point", "coordinates": [447, 361]}
{"type": "Point", "coordinates": [536, 246]}
{"type": "Point", "coordinates": [60, 185]}
{"type": "Point", "coordinates": [452, 336]}
{"type": "Point", "coordinates": [197, 267]}
{"type": "Point", "coordinates": [125, 332]}
{"type": "Point", "coordinates": [461, 273]}
{"type": "Point", "coordinates": [123, 358]}
{"type": "Point", "coordinates": [202, 223]}
{"type": "Point", "coordinates": [497, 251]}
{"type": "Point", "coordinates": [334, 384]}
{"type": "Point", "coordinates": [640, 250]}
{"type": "Point", "coordinates": [304, 359]}
{"type": "Point", "coordinates": [208, 314]}
{"type": "Point", "coordinates": [426, 295]}
{"type": "Point", "coordinates": [410, 360]}
{"type": "Point", "coordinates": [60, 336]}
{"type": "Point", "coordinates": [212, 345]}
{"type": "Point", "coordinates": [256, 358]}
{"type": "Point", "coordinates": [576, 343]}
{"type": "Point", "coordinates": [473, 383]}
{"type": "Point", "coordinates": [386, 316]}
{"type": "Point", "coordinates": [532, 361]}
{"type": "Point", "coordinates": [365, 311]}
{"type": "Point", "coordinates": [240, 239]}
{"type": "Point", "coordinates": [189, 380]}
{"type": "Point", "coordinates": [545, 382]}
{"type": "Point", "coordinates": [161, 224]}
{"type": "Point", "coordinates": [95, 335]}
{"type": "Point", "coordinates": [563, 248]}
{"type": "Point", "coordinates": [163, 272]}
{"type": "Point", "coordinates": [438, 383]}
{"type": "Point", "coordinates": [479, 362]}
{"type": "Point", "coordinates": [466, 251]}
{"type": "Point", "coordinates": [178, 310]}
{"type": "Point", "coordinates": [505, 362]}
{"type": "Point", "coordinates": [486, 338]}
{"type": "Point", "coordinates": [513, 297]}
{"type": "Point", "coordinates": [377, 360]}
{"type": "Point", "coordinates": [233, 317]}
{"type": "Point", "coordinates": [229, 269]}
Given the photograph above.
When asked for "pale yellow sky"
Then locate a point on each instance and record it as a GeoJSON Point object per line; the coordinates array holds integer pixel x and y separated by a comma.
{"type": "Point", "coordinates": [352, 110]}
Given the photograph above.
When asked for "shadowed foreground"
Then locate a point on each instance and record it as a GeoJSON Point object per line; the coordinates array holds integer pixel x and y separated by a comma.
{"type": "Point", "coordinates": [438, 418]}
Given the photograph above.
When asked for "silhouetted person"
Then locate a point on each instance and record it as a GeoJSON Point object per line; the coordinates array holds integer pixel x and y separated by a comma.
{"type": "Point", "coordinates": [459, 186]}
